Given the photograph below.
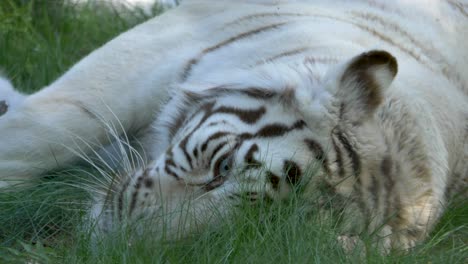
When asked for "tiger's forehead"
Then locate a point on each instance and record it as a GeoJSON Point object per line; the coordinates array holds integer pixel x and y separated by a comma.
{"type": "Point", "coordinates": [240, 110]}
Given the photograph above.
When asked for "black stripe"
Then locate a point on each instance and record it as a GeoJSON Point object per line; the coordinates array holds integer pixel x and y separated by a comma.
{"type": "Point", "coordinates": [388, 169]}
{"type": "Point", "coordinates": [218, 179]}
{"type": "Point", "coordinates": [135, 194]}
{"type": "Point", "coordinates": [319, 154]}
{"type": "Point", "coordinates": [253, 92]}
{"type": "Point", "coordinates": [249, 159]}
{"type": "Point", "coordinates": [320, 60]}
{"type": "Point", "coordinates": [257, 93]}
{"type": "Point", "coordinates": [217, 149]}
{"type": "Point", "coordinates": [292, 171]}
{"type": "Point", "coordinates": [195, 152]}
{"type": "Point", "coordinates": [170, 162]}
{"type": "Point", "coordinates": [80, 106]}
{"type": "Point", "coordinates": [190, 99]}
{"type": "Point", "coordinates": [274, 179]}
{"type": "Point", "coordinates": [216, 135]}
{"type": "Point", "coordinates": [374, 189]}
{"type": "Point", "coordinates": [352, 154]}
{"type": "Point", "coordinates": [273, 130]}
{"type": "Point", "coordinates": [339, 159]}
{"type": "Point", "coordinates": [194, 61]}
{"type": "Point", "coordinates": [182, 168]}
{"type": "Point", "coordinates": [187, 156]}
{"type": "Point", "coordinates": [121, 197]}
{"type": "Point", "coordinates": [243, 36]}
{"type": "Point", "coordinates": [216, 123]}
{"type": "Point", "coordinates": [460, 7]}
{"type": "Point", "coordinates": [176, 123]}
{"type": "Point", "coordinates": [248, 116]}
{"type": "Point", "coordinates": [283, 54]}
{"type": "Point", "coordinates": [170, 172]}
{"type": "Point", "coordinates": [207, 108]}
{"type": "Point", "coordinates": [263, 15]}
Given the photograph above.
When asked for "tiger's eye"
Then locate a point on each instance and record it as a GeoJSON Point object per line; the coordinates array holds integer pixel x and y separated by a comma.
{"type": "Point", "coordinates": [225, 167]}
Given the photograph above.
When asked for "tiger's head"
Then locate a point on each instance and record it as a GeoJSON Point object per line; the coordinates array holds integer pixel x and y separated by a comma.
{"type": "Point", "coordinates": [219, 146]}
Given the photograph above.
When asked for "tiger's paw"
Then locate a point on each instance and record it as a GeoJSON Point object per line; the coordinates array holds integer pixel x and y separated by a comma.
{"type": "Point", "coordinates": [351, 243]}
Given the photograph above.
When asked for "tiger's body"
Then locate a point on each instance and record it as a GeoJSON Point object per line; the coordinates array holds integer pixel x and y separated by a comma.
{"type": "Point", "coordinates": [235, 99]}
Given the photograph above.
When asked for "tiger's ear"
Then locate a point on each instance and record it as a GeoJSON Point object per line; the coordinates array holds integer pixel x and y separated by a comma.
{"type": "Point", "coordinates": [361, 84]}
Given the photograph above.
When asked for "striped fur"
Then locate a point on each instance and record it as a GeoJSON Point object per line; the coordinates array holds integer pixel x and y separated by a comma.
{"type": "Point", "coordinates": [240, 100]}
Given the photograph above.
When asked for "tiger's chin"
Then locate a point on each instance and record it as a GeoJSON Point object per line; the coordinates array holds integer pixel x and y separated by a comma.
{"type": "Point", "coordinates": [166, 224]}
{"type": "Point", "coordinates": [176, 213]}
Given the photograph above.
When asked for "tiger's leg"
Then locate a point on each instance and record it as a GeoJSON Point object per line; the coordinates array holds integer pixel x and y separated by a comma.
{"type": "Point", "coordinates": [43, 135]}
{"type": "Point", "coordinates": [54, 127]}
{"type": "Point", "coordinates": [403, 231]}
{"type": "Point", "coordinates": [403, 211]}
{"type": "Point", "coordinates": [411, 225]}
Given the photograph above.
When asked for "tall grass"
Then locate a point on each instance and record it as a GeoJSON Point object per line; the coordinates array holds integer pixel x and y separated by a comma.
{"type": "Point", "coordinates": [41, 39]}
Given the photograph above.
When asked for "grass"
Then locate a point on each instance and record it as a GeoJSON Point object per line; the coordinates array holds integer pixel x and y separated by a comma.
{"type": "Point", "coordinates": [39, 40]}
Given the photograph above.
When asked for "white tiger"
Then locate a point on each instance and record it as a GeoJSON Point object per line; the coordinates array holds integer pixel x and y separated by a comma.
{"type": "Point", "coordinates": [237, 99]}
